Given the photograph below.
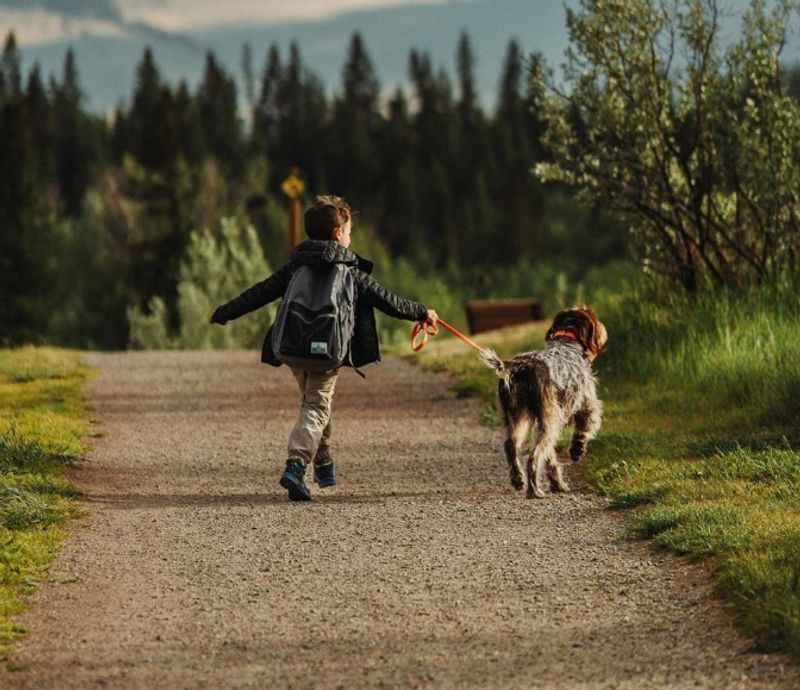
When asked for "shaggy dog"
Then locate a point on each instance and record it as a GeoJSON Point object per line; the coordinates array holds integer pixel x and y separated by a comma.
{"type": "Point", "coordinates": [547, 390]}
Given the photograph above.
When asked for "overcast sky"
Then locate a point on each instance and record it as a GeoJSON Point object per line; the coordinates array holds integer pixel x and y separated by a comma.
{"type": "Point", "coordinates": [190, 14]}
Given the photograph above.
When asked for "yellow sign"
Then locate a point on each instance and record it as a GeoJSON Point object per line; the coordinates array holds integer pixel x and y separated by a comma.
{"type": "Point", "coordinates": [293, 186]}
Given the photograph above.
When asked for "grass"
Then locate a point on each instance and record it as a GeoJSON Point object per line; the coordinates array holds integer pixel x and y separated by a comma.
{"type": "Point", "coordinates": [42, 421]}
{"type": "Point", "coordinates": [701, 440]}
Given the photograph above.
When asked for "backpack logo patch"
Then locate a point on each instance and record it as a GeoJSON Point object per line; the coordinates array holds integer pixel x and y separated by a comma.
{"type": "Point", "coordinates": [318, 348]}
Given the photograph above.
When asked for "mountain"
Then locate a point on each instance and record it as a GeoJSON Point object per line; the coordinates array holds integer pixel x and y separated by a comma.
{"type": "Point", "coordinates": [109, 37]}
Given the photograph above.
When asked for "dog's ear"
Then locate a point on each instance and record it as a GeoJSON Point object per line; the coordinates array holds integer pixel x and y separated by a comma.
{"type": "Point", "coordinates": [596, 335]}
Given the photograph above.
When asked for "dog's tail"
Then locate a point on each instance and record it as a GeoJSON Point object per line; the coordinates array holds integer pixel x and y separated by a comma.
{"type": "Point", "coordinates": [492, 360]}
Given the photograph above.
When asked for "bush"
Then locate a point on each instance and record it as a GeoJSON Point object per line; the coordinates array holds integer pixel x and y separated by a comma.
{"type": "Point", "coordinates": [215, 269]}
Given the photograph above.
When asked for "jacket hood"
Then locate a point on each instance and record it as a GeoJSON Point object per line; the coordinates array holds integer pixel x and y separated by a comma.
{"type": "Point", "coordinates": [319, 252]}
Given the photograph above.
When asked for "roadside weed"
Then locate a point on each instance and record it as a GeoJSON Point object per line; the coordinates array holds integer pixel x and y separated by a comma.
{"type": "Point", "coordinates": [42, 421]}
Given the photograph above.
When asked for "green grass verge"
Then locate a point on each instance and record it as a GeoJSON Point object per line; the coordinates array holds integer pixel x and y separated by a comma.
{"type": "Point", "coordinates": [700, 439]}
{"type": "Point", "coordinates": [42, 422]}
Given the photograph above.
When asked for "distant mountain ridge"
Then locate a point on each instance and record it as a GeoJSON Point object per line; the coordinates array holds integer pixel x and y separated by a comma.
{"type": "Point", "coordinates": [106, 61]}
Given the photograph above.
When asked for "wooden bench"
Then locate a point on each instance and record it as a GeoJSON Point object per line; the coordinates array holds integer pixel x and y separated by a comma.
{"type": "Point", "coordinates": [489, 314]}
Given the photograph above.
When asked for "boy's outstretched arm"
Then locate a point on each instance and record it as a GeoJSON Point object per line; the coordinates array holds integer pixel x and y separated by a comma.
{"type": "Point", "coordinates": [254, 297]}
{"type": "Point", "coordinates": [374, 294]}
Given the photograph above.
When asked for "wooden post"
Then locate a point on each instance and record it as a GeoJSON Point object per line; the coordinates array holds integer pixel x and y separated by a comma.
{"type": "Point", "coordinates": [293, 187]}
{"type": "Point", "coordinates": [294, 223]}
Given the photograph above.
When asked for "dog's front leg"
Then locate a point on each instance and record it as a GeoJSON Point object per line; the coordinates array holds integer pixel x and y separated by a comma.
{"type": "Point", "coordinates": [556, 474]}
{"type": "Point", "coordinates": [587, 424]}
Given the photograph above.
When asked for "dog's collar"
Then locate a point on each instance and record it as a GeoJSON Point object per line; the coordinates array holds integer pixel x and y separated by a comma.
{"type": "Point", "coordinates": [565, 334]}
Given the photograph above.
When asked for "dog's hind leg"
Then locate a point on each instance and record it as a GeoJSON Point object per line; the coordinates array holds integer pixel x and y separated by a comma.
{"type": "Point", "coordinates": [518, 432]}
{"type": "Point", "coordinates": [550, 426]}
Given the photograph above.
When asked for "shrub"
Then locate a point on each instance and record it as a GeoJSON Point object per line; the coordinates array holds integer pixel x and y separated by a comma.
{"type": "Point", "coordinates": [214, 270]}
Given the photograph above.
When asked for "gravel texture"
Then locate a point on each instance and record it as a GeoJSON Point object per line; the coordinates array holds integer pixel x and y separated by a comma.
{"type": "Point", "coordinates": [422, 568]}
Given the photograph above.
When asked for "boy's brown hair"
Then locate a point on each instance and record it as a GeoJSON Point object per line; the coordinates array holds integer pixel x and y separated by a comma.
{"type": "Point", "coordinates": [325, 215]}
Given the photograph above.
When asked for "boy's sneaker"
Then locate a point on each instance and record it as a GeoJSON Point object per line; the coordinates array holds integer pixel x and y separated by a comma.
{"type": "Point", "coordinates": [325, 473]}
{"type": "Point", "coordinates": [292, 481]}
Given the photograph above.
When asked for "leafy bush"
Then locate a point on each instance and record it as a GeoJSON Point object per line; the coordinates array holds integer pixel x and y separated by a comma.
{"type": "Point", "coordinates": [214, 270]}
{"type": "Point", "coordinates": [693, 142]}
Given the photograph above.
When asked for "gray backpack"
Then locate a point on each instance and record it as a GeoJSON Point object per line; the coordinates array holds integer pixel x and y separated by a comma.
{"type": "Point", "coordinates": [316, 319]}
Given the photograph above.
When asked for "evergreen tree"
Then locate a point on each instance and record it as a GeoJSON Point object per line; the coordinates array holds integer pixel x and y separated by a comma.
{"type": "Point", "coordinates": [74, 155]}
{"type": "Point", "coordinates": [435, 133]}
{"type": "Point", "coordinates": [39, 114]}
{"type": "Point", "coordinates": [189, 128]}
{"type": "Point", "coordinates": [144, 119]}
{"type": "Point", "coordinates": [355, 127]}
{"type": "Point", "coordinates": [217, 108]}
{"type": "Point", "coordinates": [10, 70]}
{"type": "Point", "coordinates": [266, 115]}
{"type": "Point", "coordinates": [301, 119]}
{"type": "Point", "coordinates": [26, 243]}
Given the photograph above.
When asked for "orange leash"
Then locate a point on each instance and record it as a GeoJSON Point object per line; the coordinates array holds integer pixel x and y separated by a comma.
{"type": "Point", "coordinates": [428, 329]}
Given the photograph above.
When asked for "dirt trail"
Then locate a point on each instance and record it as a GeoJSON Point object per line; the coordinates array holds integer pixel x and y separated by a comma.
{"type": "Point", "coordinates": [421, 569]}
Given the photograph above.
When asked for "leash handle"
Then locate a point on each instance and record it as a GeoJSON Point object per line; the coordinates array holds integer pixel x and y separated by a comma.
{"type": "Point", "coordinates": [428, 329]}
{"type": "Point", "coordinates": [425, 329]}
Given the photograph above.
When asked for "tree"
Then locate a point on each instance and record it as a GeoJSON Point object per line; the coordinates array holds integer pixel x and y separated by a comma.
{"type": "Point", "coordinates": [214, 268]}
{"type": "Point", "coordinates": [217, 108]}
{"type": "Point", "coordinates": [355, 127]}
{"type": "Point", "coordinates": [10, 70]}
{"type": "Point", "coordinates": [143, 122]}
{"type": "Point", "coordinates": [695, 146]}
{"type": "Point", "coordinates": [73, 140]}
{"type": "Point", "coordinates": [266, 113]}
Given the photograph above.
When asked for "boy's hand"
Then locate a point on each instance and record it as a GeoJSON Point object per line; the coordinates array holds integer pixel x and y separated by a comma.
{"type": "Point", "coordinates": [433, 317]}
{"type": "Point", "coordinates": [216, 317]}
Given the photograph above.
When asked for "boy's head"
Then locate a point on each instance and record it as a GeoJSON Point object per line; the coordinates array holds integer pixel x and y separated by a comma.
{"type": "Point", "coordinates": [329, 218]}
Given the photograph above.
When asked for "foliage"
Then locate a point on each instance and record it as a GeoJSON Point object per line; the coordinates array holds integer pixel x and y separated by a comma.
{"type": "Point", "coordinates": [99, 211]}
{"type": "Point", "coordinates": [42, 422]}
{"type": "Point", "coordinates": [215, 269]}
{"type": "Point", "coordinates": [695, 145]}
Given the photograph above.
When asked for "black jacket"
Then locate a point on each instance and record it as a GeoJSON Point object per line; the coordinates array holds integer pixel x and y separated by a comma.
{"type": "Point", "coordinates": [364, 347]}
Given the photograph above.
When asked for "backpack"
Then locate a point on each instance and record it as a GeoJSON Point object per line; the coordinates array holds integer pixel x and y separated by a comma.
{"type": "Point", "coordinates": [316, 319]}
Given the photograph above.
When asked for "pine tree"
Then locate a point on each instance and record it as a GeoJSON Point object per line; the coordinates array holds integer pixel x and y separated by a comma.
{"type": "Point", "coordinates": [266, 115]}
{"type": "Point", "coordinates": [74, 159]}
{"type": "Point", "coordinates": [400, 221]}
{"type": "Point", "coordinates": [217, 107]}
{"type": "Point", "coordinates": [517, 144]}
{"type": "Point", "coordinates": [144, 118]}
{"type": "Point", "coordinates": [356, 122]}
{"type": "Point", "coordinates": [301, 119]}
{"type": "Point", "coordinates": [39, 113]}
{"type": "Point", "coordinates": [10, 70]}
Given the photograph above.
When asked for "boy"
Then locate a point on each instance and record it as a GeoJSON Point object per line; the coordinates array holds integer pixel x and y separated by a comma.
{"type": "Point", "coordinates": [328, 225]}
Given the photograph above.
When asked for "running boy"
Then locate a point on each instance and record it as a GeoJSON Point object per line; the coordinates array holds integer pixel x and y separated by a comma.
{"type": "Point", "coordinates": [328, 224]}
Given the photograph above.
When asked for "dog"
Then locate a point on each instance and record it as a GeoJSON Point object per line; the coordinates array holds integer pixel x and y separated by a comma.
{"type": "Point", "coordinates": [545, 391]}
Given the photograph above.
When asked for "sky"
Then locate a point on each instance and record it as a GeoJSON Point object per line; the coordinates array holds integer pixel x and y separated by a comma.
{"type": "Point", "coordinates": [177, 15]}
{"type": "Point", "coordinates": [34, 25]}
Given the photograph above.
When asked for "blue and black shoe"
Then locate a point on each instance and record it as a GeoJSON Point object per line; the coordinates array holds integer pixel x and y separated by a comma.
{"type": "Point", "coordinates": [325, 474]}
{"type": "Point", "coordinates": [292, 481]}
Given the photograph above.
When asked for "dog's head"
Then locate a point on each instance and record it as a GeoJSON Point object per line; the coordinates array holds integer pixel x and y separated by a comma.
{"type": "Point", "coordinates": [582, 325]}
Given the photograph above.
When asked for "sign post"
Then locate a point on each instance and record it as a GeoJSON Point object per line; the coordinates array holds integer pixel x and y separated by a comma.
{"type": "Point", "coordinates": [293, 187]}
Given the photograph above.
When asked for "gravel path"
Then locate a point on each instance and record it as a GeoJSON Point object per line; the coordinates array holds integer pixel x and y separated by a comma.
{"type": "Point", "coordinates": [421, 569]}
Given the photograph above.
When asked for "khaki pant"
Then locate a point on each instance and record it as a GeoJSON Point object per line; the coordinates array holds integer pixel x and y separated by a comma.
{"type": "Point", "coordinates": [312, 432]}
